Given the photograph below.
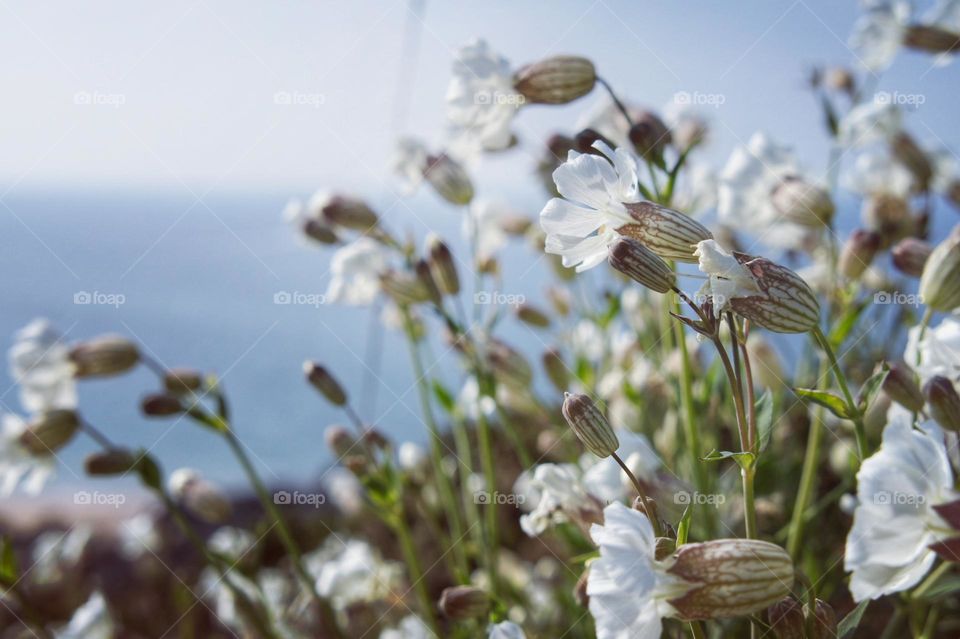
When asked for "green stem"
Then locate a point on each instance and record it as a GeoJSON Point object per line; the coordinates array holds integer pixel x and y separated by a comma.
{"type": "Point", "coordinates": [852, 408]}
{"type": "Point", "coordinates": [416, 570]}
{"type": "Point", "coordinates": [486, 459]}
{"type": "Point", "coordinates": [931, 579]}
{"type": "Point", "coordinates": [696, 630]}
{"type": "Point", "coordinates": [808, 477]}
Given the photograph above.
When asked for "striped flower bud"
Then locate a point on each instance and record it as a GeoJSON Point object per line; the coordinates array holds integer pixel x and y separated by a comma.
{"type": "Point", "coordinates": [943, 401]}
{"type": "Point", "coordinates": [786, 619]}
{"type": "Point", "coordinates": [555, 80]}
{"type": "Point", "coordinates": [183, 381]}
{"type": "Point", "coordinates": [110, 462]}
{"type": "Point", "coordinates": [858, 251]}
{"type": "Point", "coordinates": [161, 405]}
{"type": "Point", "coordinates": [404, 288]}
{"type": "Point", "coordinates": [649, 136]}
{"type": "Point", "coordinates": [901, 385]}
{"type": "Point", "coordinates": [940, 282]}
{"type": "Point", "coordinates": [670, 234]}
{"type": "Point", "coordinates": [803, 203]}
{"type": "Point", "coordinates": [910, 255]}
{"type": "Point", "coordinates": [326, 383]}
{"type": "Point", "coordinates": [822, 620]}
{"type": "Point", "coordinates": [104, 356]}
{"type": "Point", "coordinates": [556, 369]}
{"type": "Point", "coordinates": [347, 212]}
{"type": "Point", "coordinates": [442, 266]}
{"type": "Point", "coordinates": [909, 153]}
{"type": "Point", "coordinates": [319, 231]}
{"type": "Point", "coordinates": [529, 314]}
{"type": "Point", "coordinates": [460, 603]}
{"type": "Point", "coordinates": [49, 432]}
{"type": "Point", "coordinates": [931, 39]}
{"type": "Point", "coordinates": [733, 577]}
{"type": "Point", "coordinates": [641, 264]}
{"type": "Point", "coordinates": [591, 427]}
{"type": "Point", "coordinates": [199, 497]}
{"type": "Point", "coordinates": [584, 141]}
{"type": "Point", "coordinates": [786, 303]}
{"type": "Point", "coordinates": [448, 179]}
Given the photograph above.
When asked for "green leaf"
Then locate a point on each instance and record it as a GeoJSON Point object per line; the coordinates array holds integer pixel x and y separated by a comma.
{"type": "Point", "coordinates": [944, 586]}
{"type": "Point", "coordinates": [683, 528]}
{"type": "Point", "coordinates": [831, 401]}
{"type": "Point", "coordinates": [841, 330]}
{"type": "Point", "coordinates": [849, 624]}
{"type": "Point", "coordinates": [8, 563]}
{"type": "Point", "coordinates": [870, 388]}
{"type": "Point", "coordinates": [745, 460]}
{"type": "Point", "coordinates": [764, 411]}
{"type": "Point", "coordinates": [444, 398]}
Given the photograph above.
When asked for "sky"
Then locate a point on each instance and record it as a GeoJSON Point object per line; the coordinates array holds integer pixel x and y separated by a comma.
{"type": "Point", "coordinates": [202, 96]}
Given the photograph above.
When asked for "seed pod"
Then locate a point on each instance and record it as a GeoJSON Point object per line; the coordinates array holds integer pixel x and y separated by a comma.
{"type": "Point", "coordinates": [940, 282]}
{"type": "Point", "coordinates": [943, 401]}
{"type": "Point", "coordinates": [649, 136]}
{"type": "Point", "coordinates": [591, 427]}
{"type": "Point", "coordinates": [800, 202]}
{"type": "Point", "coordinates": [111, 462]}
{"type": "Point", "coordinates": [161, 405]}
{"type": "Point", "coordinates": [733, 577]}
{"type": "Point", "coordinates": [533, 316]}
{"type": "Point", "coordinates": [49, 432]}
{"type": "Point", "coordinates": [448, 179]}
{"type": "Point", "coordinates": [901, 385]}
{"type": "Point", "coordinates": [909, 153]}
{"type": "Point", "coordinates": [910, 255]}
{"type": "Point", "coordinates": [556, 80]}
{"type": "Point", "coordinates": [930, 39]}
{"type": "Point", "coordinates": [199, 497]}
{"type": "Point", "coordinates": [348, 212]}
{"type": "Point", "coordinates": [425, 276]}
{"type": "Point", "coordinates": [404, 288]}
{"type": "Point", "coordinates": [556, 370]}
{"type": "Point", "coordinates": [460, 603]}
{"type": "Point", "coordinates": [639, 263]}
{"type": "Point", "coordinates": [670, 234]}
{"type": "Point", "coordinates": [182, 381]}
{"type": "Point", "coordinates": [786, 619]}
{"type": "Point", "coordinates": [442, 266]}
{"type": "Point", "coordinates": [104, 356]}
{"type": "Point", "coordinates": [858, 251]}
{"type": "Point", "coordinates": [822, 621]}
{"type": "Point", "coordinates": [319, 231]}
{"type": "Point", "coordinates": [786, 305]}
{"type": "Point", "coordinates": [323, 381]}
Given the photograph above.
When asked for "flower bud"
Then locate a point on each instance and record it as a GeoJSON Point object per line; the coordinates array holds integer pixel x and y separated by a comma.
{"type": "Point", "coordinates": [944, 402]}
{"type": "Point", "coordinates": [733, 577]}
{"type": "Point", "coordinates": [104, 356]}
{"type": "Point", "coordinates": [840, 79]}
{"type": "Point", "coordinates": [199, 497]}
{"type": "Point", "coordinates": [889, 216]}
{"type": "Point", "coordinates": [533, 316]}
{"type": "Point", "coordinates": [901, 385]}
{"type": "Point", "coordinates": [49, 432]}
{"type": "Point", "coordinates": [591, 427]}
{"type": "Point", "coordinates": [449, 179]}
{"type": "Point", "coordinates": [425, 276]}
{"type": "Point", "coordinates": [555, 80]}
{"type": "Point", "coordinates": [161, 405]}
{"type": "Point", "coordinates": [183, 381]}
{"type": "Point", "coordinates": [110, 462]}
{"type": "Point", "coordinates": [800, 202]}
{"type": "Point", "coordinates": [670, 234]}
{"type": "Point", "coordinates": [940, 282]}
{"type": "Point", "coordinates": [442, 266]}
{"type": "Point", "coordinates": [639, 263]}
{"type": "Point", "coordinates": [786, 305]}
{"type": "Point", "coordinates": [319, 231]}
{"type": "Point", "coordinates": [786, 619]}
{"type": "Point", "coordinates": [347, 212]}
{"type": "Point", "coordinates": [374, 439]}
{"type": "Point", "coordinates": [822, 621]}
{"type": "Point", "coordinates": [460, 603]}
{"type": "Point", "coordinates": [509, 363]}
{"type": "Point", "coordinates": [404, 288]}
{"type": "Point", "coordinates": [339, 441]}
{"type": "Point", "coordinates": [556, 369]}
{"type": "Point", "coordinates": [649, 136]}
{"type": "Point", "coordinates": [559, 299]}
{"type": "Point", "coordinates": [323, 381]}
{"type": "Point", "coordinates": [585, 139]}
{"type": "Point", "coordinates": [858, 251]}
{"type": "Point", "coordinates": [910, 255]}
{"type": "Point", "coordinates": [930, 39]}
{"type": "Point", "coordinates": [906, 150]}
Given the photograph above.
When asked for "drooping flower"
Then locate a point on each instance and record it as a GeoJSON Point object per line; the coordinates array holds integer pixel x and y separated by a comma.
{"type": "Point", "coordinates": [878, 120]}
{"type": "Point", "coordinates": [18, 465]}
{"type": "Point", "coordinates": [355, 272]}
{"type": "Point", "coordinates": [40, 364]}
{"type": "Point", "coordinates": [413, 163]}
{"type": "Point", "coordinates": [938, 350]}
{"type": "Point", "coordinates": [888, 25]}
{"type": "Point", "coordinates": [895, 523]}
{"type": "Point", "coordinates": [351, 571]}
{"type": "Point", "coordinates": [484, 227]}
{"type": "Point", "coordinates": [728, 277]}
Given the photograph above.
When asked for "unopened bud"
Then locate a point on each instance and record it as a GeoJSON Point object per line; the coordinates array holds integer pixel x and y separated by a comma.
{"type": "Point", "coordinates": [339, 441]}
{"type": "Point", "coordinates": [559, 299]}
{"type": "Point", "coordinates": [930, 39]}
{"type": "Point", "coordinates": [449, 179]}
{"type": "Point", "coordinates": [840, 79]}
{"type": "Point", "coordinates": [199, 497]}
{"type": "Point", "coordinates": [858, 251]}
{"type": "Point", "coordinates": [49, 432]}
{"type": "Point", "coordinates": [509, 363]}
{"type": "Point", "coordinates": [649, 136]}
{"type": "Point", "coordinates": [111, 462]}
{"type": "Point", "coordinates": [732, 577]}
{"type": "Point", "coordinates": [183, 381]}
{"type": "Point", "coordinates": [910, 255]}
{"type": "Point", "coordinates": [822, 620]}
{"type": "Point", "coordinates": [786, 619]}
{"type": "Point", "coordinates": [348, 212]}
{"type": "Point", "coordinates": [323, 381]}
{"type": "Point", "coordinates": [161, 405]}
{"type": "Point", "coordinates": [803, 203]}
{"type": "Point", "coordinates": [901, 385]}
{"type": "Point", "coordinates": [909, 153]}
{"type": "Point", "coordinates": [786, 303]}
{"type": "Point", "coordinates": [442, 266]}
{"type": "Point", "coordinates": [404, 288]}
{"type": "Point", "coordinates": [556, 80]}
{"type": "Point", "coordinates": [889, 216]}
{"type": "Point", "coordinates": [639, 263]}
{"type": "Point", "coordinates": [940, 281]}
{"type": "Point", "coordinates": [532, 315]}
{"type": "Point", "coordinates": [591, 427]}
{"type": "Point", "coordinates": [356, 464]}
{"type": "Point", "coordinates": [585, 139]}
{"type": "Point", "coordinates": [319, 231]}
{"type": "Point", "coordinates": [943, 401]}
{"type": "Point", "coordinates": [425, 275]}
{"type": "Point", "coordinates": [556, 369]}
{"type": "Point", "coordinates": [104, 356]}
{"type": "Point", "coordinates": [374, 439]}
{"type": "Point", "coordinates": [670, 234]}
{"type": "Point", "coordinates": [460, 603]}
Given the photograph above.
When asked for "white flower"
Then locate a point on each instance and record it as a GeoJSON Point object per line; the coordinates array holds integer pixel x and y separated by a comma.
{"type": "Point", "coordinates": [90, 621]}
{"type": "Point", "coordinates": [485, 220]}
{"type": "Point", "coordinates": [628, 588]}
{"type": "Point", "coordinates": [728, 277]}
{"type": "Point", "coordinates": [559, 495]}
{"type": "Point", "coordinates": [605, 480]}
{"type": "Point", "coordinates": [410, 627]}
{"type": "Point", "coordinates": [345, 490]}
{"type": "Point", "coordinates": [232, 542]}
{"type": "Point", "coordinates": [40, 364]}
{"type": "Point", "coordinates": [355, 272]}
{"type": "Point", "coordinates": [409, 159]}
{"type": "Point", "coordinates": [57, 554]}
{"type": "Point", "coordinates": [894, 522]}
{"type": "Point", "coordinates": [505, 630]}
{"type": "Point", "coordinates": [352, 572]}
{"type": "Point", "coordinates": [870, 122]}
{"type": "Point", "coordinates": [18, 466]}
{"type": "Point", "coordinates": [139, 535]}
{"type": "Point", "coordinates": [939, 350]}
{"type": "Point", "coordinates": [582, 226]}
{"type": "Point", "coordinates": [481, 100]}
{"type": "Point", "coordinates": [878, 33]}
{"type": "Point", "coordinates": [412, 457]}
{"type": "Point", "coordinates": [877, 173]}
{"type": "Point", "coordinates": [471, 404]}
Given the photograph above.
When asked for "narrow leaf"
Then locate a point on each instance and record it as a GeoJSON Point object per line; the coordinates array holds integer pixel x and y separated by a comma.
{"type": "Point", "coordinates": [444, 398]}
{"type": "Point", "coordinates": [849, 624]}
{"type": "Point", "coordinates": [831, 401]}
{"type": "Point", "coordinates": [870, 388]}
{"type": "Point", "coordinates": [683, 528]}
{"type": "Point", "coordinates": [745, 460]}
{"type": "Point", "coordinates": [764, 411]}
